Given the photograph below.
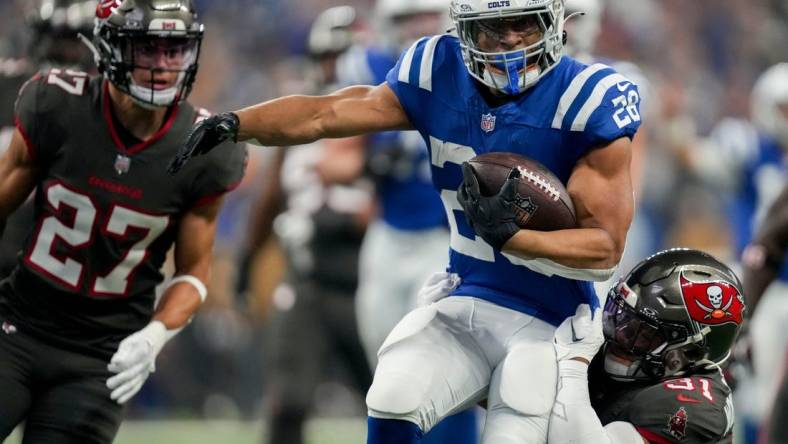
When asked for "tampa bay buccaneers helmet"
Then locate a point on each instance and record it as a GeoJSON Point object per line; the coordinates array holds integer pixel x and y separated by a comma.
{"type": "Point", "coordinates": [679, 310]}
{"type": "Point", "coordinates": [128, 30]}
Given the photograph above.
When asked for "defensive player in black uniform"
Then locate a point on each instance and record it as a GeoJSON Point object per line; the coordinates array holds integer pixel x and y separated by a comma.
{"type": "Point", "coordinates": [763, 262]}
{"type": "Point", "coordinates": [79, 331]}
{"type": "Point", "coordinates": [53, 42]}
{"type": "Point", "coordinates": [666, 328]}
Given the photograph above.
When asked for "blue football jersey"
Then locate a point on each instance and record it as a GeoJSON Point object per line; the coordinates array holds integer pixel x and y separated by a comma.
{"type": "Point", "coordinates": [570, 111]}
{"type": "Point", "coordinates": [406, 196]}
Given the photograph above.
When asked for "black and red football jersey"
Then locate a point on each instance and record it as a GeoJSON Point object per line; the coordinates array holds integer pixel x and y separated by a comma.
{"type": "Point", "coordinates": [106, 211]}
{"type": "Point", "coordinates": [691, 409]}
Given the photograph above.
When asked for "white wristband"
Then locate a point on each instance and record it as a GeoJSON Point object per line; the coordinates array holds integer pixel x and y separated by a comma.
{"type": "Point", "coordinates": [194, 282]}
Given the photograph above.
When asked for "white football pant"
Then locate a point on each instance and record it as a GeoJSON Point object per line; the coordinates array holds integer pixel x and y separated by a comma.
{"type": "Point", "coordinates": [769, 345]}
{"type": "Point", "coordinates": [394, 264]}
{"type": "Point", "coordinates": [446, 357]}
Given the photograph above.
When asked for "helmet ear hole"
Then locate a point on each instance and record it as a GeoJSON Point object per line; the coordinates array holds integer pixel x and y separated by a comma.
{"type": "Point", "coordinates": [675, 361]}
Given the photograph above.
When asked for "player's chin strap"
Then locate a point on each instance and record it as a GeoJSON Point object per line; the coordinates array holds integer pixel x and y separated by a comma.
{"type": "Point", "coordinates": [574, 421]}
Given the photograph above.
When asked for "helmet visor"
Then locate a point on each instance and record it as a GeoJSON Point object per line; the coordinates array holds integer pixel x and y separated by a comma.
{"type": "Point", "coordinates": [164, 54]}
{"type": "Point", "coordinates": [494, 34]}
{"type": "Point", "coordinates": [628, 331]}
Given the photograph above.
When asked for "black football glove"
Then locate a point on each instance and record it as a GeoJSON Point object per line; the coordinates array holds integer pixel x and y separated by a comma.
{"type": "Point", "coordinates": [206, 135]}
{"type": "Point", "coordinates": [493, 217]}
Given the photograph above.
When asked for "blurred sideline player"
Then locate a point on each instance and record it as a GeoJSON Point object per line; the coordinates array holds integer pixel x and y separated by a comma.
{"type": "Point", "coordinates": [410, 234]}
{"type": "Point", "coordinates": [582, 34]}
{"type": "Point", "coordinates": [502, 85]}
{"type": "Point", "coordinates": [320, 228]}
{"type": "Point", "coordinates": [747, 160]}
{"type": "Point", "coordinates": [79, 332]}
{"type": "Point", "coordinates": [411, 230]}
{"type": "Point", "coordinates": [657, 377]}
{"type": "Point", "coordinates": [54, 25]}
{"type": "Point", "coordinates": [763, 262]}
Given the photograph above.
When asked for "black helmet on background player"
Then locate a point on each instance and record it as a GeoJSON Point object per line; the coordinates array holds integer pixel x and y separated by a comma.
{"type": "Point", "coordinates": [677, 311]}
{"type": "Point", "coordinates": [55, 25]}
{"type": "Point", "coordinates": [153, 36]}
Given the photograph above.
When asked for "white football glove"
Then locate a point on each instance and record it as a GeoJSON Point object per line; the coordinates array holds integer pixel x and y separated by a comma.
{"type": "Point", "coordinates": [135, 360]}
{"type": "Point", "coordinates": [579, 336]}
{"type": "Point", "coordinates": [438, 286]}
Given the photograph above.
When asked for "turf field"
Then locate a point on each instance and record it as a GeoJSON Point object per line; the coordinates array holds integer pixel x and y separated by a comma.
{"type": "Point", "coordinates": [321, 431]}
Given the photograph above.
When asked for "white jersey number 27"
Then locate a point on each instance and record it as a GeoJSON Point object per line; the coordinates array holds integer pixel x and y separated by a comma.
{"type": "Point", "coordinates": [78, 233]}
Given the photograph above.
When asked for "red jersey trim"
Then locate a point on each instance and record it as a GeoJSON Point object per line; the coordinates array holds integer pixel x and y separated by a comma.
{"type": "Point", "coordinates": [142, 145]}
{"type": "Point", "coordinates": [205, 200]}
{"type": "Point", "coordinates": [653, 437]}
{"type": "Point", "coordinates": [31, 149]}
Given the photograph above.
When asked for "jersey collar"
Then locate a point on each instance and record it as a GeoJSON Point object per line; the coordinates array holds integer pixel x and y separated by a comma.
{"type": "Point", "coordinates": [169, 120]}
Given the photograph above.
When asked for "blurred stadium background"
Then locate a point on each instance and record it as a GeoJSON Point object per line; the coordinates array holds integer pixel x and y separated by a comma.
{"type": "Point", "coordinates": [701, 58]}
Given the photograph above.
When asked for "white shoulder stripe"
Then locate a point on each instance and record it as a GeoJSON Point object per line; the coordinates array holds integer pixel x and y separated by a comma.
{"type": "Point", "coordinates": [593, 101]}
{"type": "Point", "coordinates": [404, 70]}
{"type": "Point", "coordinates": [573, 91]}
{"type": "Point", "coordinates": [425, 73]}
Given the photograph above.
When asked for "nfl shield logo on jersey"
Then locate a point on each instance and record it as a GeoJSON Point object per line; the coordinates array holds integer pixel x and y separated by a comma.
{"type": "Point", "coordinates": [488, 122]}
{"type": "Point", "coordinates": [122, 164]}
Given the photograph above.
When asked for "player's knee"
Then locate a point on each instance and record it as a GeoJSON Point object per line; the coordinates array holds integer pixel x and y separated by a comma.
{"type": "Point", "coordinates": [528, 379]}
{"type": "Point", "coordinates": [396, 395]}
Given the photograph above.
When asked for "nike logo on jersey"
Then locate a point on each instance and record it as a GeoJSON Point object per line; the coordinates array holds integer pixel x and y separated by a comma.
{"type": "Point", "coordinates": [622, 86]}
{"type": "Point", "coordinates": [574, 335]}
{"type": "Point", "coordinates": [683, 398]}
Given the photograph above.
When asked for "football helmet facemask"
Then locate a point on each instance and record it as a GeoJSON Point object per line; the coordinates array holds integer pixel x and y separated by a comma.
{"type": "Point", "coordinates": [677, 311]}
{"type": "Point", "coordinates": [158, 37]}
{"type": "Point", "coordinates": [510, 71]}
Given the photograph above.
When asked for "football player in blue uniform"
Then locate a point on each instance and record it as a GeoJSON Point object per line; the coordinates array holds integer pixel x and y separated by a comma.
{"type": "Point", "coordinates": [410, 231]}
{"type": "Point", "coordinates": [747, 161]}
{"type": "Point", "coordinates": [501, 85]}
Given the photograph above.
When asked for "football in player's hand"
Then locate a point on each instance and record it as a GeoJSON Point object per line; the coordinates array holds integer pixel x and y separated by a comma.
{"type": "Point", "coordinates": [542, 200]}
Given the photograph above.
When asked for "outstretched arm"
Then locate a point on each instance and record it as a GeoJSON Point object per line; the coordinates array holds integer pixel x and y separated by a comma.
{"type": "Point", "coordinates": [295, 120]}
